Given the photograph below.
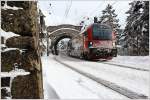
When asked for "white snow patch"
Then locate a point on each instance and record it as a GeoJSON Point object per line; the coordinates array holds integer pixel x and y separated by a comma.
{"type": "Point", "coordinates": [7, 88]}
{"type": "Point", "coordinates": [134, 80]}
{"type": "Point", "coordinates": [5, 7]}
{"type": "Point", "coordinates": [7, 34]}
{"type": "Point", "coordinates": [14, 73]}
{"type": "Point", "coordinates": [9, 49]}
{"type": "Point", "coordinates": [144, 29]}
{"type": "Point", "coordinates": [68, 84]}
{"type": "Point", "coordinates": [3, 45]}
{"type": "Point", "coordinates": [132, 61]}
{"type": "Point", "coordinates": [10, 14]}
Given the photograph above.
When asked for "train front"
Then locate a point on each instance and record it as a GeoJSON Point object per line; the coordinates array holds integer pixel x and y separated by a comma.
{"type": "Point", "coordinates": [102, 42]}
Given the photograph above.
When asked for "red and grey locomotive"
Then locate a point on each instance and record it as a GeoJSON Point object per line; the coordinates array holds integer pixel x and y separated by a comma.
{"type": "Point", "coordinates": [97, 41]}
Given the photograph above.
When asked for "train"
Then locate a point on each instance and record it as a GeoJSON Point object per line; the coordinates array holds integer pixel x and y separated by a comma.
{"type": "Point", "coordinates": [96, 41]}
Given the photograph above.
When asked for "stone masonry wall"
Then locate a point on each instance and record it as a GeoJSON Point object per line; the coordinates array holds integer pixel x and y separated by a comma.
{"type": "Point", "coordinates": [24, 22]}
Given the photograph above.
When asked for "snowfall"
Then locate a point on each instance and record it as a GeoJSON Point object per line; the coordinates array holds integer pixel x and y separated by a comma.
{"type": "Point", "coordinates": [61, 82]}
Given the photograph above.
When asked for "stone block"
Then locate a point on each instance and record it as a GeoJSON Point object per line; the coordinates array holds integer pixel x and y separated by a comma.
{"type": "Point", "coordinates": [4, 93]}
{"type": "Point", "coordinates": [21, 42]}
{"type": "Point", "coordinates": [5, 81]}
{"type": "Point", "coordinates": [8, 59]}
{"type": "Point", "coordinates": [29, 60]}
{"type": "Point", "coordinates": [17, 21]}
{"type": "Point", "coordinates": [25, 87]}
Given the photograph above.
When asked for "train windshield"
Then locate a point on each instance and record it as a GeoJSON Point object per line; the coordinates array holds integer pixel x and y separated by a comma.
{"type": "Point", "coordinates": [102, 32]}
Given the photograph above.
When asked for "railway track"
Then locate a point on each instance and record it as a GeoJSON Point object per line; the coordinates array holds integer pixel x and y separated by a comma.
{"type": "Point", "coordinates": [124, 66]}
{"type": "Point", "coordinates": [114, 65]}
{"type": "Point", "coordinates": [121, 90]}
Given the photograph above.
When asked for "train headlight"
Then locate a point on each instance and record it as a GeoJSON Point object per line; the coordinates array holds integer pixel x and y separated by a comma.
{"type": "Point", "coordinates": [90, 44]}
{"type": "Point", "coordinates": [114, 44]}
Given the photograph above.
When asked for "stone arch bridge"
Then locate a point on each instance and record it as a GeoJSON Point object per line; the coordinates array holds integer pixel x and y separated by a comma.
{"type": "Point", "coordinates": [56, 33]}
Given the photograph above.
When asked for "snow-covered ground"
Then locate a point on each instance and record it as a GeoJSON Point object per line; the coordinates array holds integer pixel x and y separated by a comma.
{"type": "Point", "coordinates": [132, 61]}
{"type": "Point", "coordinates": [61, 82]}
{"type": "Point", "coordinates": [134, 80]}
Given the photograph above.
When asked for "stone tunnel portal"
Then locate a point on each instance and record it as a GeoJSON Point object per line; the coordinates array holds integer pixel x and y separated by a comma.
{"type": "Point", "coordinates": [57, 33]}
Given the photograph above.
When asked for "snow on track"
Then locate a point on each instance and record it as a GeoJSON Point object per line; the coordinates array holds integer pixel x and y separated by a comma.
{"type": "Point", "coordinates": [134, 80]}
{"type": "Point", "coordinates": [68, 84]}
{"type": "Point", "coordinates": [125, 66]}
{"type": "Point", "coordinates": [139, 62]}
{"type": "Point", "coordinates": [121, 90]}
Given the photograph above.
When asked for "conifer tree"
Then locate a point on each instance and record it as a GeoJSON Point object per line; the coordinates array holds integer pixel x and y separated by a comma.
{"type": "Point", "coordinates": [110, 18]}
{"type": "Point", "coordinates": [137, 29]}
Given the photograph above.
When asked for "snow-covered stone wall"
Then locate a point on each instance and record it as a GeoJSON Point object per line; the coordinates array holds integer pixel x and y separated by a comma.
{"type": "Point", "coordinates": [21, 17]}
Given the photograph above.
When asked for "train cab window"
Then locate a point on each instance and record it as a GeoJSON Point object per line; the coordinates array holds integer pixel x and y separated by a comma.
{"type": "Point", "coordinates": [102, 32]}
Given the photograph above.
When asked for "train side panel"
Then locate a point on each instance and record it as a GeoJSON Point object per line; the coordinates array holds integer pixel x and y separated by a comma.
{"type": "Point", "coordinates": [75, 46]}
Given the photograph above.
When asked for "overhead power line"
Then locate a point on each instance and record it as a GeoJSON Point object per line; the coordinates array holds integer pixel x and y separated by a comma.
{"type": "Point", "coordinates": [67, 10]}
{"type": "Point", "coordinates": [97, 8]}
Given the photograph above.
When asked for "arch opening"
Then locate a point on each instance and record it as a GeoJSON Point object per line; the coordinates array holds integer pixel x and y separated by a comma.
{"type": "Point", "coordinates": [61, 44]}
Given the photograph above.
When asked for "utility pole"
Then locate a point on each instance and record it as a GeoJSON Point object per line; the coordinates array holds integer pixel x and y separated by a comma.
{"type": "Point", "coordinates": [95, 20]}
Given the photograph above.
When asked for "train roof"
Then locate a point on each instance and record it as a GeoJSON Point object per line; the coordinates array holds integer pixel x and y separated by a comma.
{"type": "Point", "coordinates": [86, 27]}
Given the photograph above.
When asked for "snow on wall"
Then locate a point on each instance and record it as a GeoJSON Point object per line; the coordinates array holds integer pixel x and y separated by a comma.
{"type": "Point", "coordinates": [5, 7]}
{"type": "Point", "coordinates": [7, 34]}
{"type": "Point", "coordinates": [12, 74]}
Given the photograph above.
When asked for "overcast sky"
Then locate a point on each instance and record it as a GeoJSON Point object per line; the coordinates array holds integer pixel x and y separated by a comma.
{"type": "Point", "coordinates": [72, 12]}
